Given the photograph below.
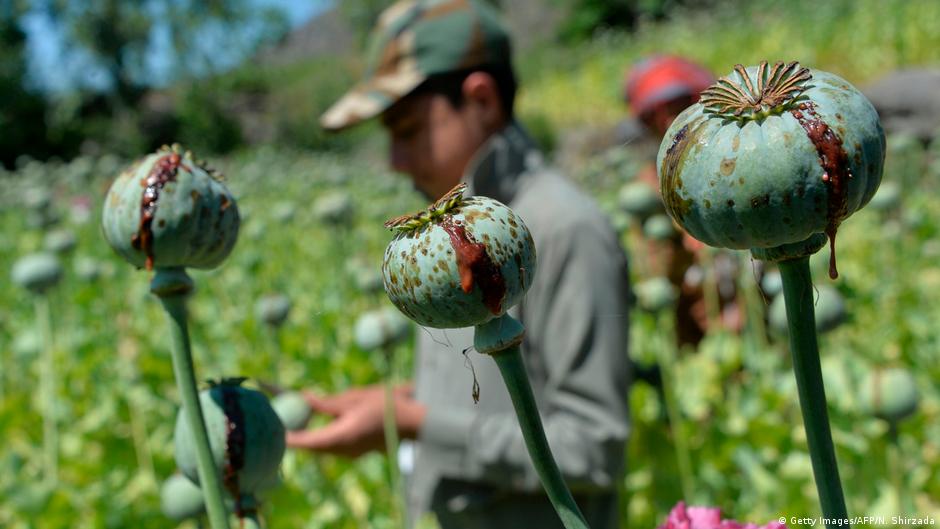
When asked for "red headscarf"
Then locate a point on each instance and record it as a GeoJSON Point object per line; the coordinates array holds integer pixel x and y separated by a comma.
{"type": "Point", "coordinates": [662, 78]}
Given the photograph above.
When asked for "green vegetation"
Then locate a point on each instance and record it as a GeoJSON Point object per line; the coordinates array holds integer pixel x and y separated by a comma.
{"type": "Point", "coordinates": [735, 412]}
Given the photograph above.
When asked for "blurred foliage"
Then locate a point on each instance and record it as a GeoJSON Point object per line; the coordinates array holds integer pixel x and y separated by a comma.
{"type": "Point", "coordinates": [859, 40]}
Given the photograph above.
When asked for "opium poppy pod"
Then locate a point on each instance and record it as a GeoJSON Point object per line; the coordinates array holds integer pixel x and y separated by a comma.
{"type": "Point", "coordinates": [459, 263]}
{"type": "Point", "coordinates": [169, 210]}
{"type": "Point", "coordinates": [770, 156]}
{"type": "Point", "coordinates": [246, 437]}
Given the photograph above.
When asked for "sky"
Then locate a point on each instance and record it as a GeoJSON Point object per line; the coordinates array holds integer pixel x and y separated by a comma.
{"type": "Point", "coordinates": [49, 71]}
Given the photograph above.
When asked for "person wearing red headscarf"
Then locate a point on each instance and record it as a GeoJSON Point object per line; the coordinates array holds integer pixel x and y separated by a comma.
{"type": "Point", "coordinates": [657, 90]}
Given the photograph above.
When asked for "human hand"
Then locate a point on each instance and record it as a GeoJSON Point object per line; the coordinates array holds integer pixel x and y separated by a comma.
{"type": "Point", "coordinates": [358, 415]}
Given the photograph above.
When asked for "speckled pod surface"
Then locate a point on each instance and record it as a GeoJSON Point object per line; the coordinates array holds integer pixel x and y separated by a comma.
{"type": "Point", "coordinates": [459, 264]}
{"type": "Point", "coordinates": [167, 210]}
{"type": "Point", "coordinates": [769, 156]}
{"type": "Point", "coordinates": [245, 435]}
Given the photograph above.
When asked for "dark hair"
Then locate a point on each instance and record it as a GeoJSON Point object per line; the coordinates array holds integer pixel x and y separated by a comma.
{"type": "Point", "coordinates": [450, 85]}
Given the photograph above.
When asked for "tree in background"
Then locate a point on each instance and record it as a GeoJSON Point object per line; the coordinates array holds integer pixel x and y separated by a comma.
{"type": "Point", "coordinates": [588, 16]}
{"type": "Point", "coordinates": [22, 113]}
{"type": "Point", "coordinates": [122, 50]}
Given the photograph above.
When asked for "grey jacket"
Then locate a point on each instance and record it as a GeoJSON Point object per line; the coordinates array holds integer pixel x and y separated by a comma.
{"type": "Point", "coordinates": [471, 466]}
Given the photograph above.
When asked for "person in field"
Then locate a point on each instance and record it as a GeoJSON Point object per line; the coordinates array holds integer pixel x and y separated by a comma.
{"type": "Point", "coordinates": [657, 89]}
{"type": "Point", "coordinates": [441, 81]}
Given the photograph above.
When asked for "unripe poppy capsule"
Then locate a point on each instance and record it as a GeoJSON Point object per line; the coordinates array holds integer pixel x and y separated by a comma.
{"type": "Point", "coordinates": [460, 263]}
{"type": "Point", "coordinates": [771, 156]}
{"type": "Point", "coordinates": [245, 435]}
{"type": "Point", "coordinates": [169, 210]}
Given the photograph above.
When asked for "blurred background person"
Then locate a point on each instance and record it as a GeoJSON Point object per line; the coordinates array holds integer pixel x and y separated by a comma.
{"type": "Point", "coordinates": [657, 89]}
{"type": "Point", "coordinates": [442, 83]}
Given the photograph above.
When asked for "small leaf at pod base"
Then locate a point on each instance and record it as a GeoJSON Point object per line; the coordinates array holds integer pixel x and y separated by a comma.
{"type": "Point", "coordinates": [180, 498]}
{"type": "Point", "coordinates": [169, 210]}
{"type": "Point", "coordinates": [889, 393]}
{"type": "Point", "coordinates": [245, 435]}
{"type": "Point", "coordinates": [459, 263]}
{"type": "Point", "coordinates": [639, 200]}
{"type": "Point", "coordinates": [293, 410]}
{"type": "Point", "coordinates": [829, 310]}
{"type": "Point", "coordinates": [770, 156]}
{"type": "Point", "coordinates": [380, 328]}
{"type": "Point", "coordinates": [273, 309]}
{"type": "Point", "coordinates": [37, 272]}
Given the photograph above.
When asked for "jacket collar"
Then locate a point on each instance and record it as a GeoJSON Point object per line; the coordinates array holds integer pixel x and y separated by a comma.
{"type": "Point", "coordinates": [501, 164]}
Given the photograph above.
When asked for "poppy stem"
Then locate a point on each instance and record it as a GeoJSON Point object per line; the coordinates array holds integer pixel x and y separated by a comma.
{"type": "Point", "coordinates": [500, 339]}
{"type": "Point", "coordinates": [799, 297]}
{"type": "Point", "coordinates": [173, 286]}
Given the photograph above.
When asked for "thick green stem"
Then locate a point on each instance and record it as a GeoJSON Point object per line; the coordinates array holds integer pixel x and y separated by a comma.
{"type": "Point", "coordinates": [667, 363]}
{"type": "Point", "coordinates": [172, 287]}
{"type": "Point", "coordinates": [514, 375]}
{"type": "Point", "coordinates": [47, 388]}
{"type": "Point", "coordinates": [391, 436]}
{"type": "Point", "coordinates": [799, 297]}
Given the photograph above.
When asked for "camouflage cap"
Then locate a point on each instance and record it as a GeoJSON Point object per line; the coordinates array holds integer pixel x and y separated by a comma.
{"type": "Point", "coordinates": [413, 40]}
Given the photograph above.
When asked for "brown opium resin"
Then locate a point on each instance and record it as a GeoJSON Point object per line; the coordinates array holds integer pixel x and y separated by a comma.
{"type": "Point", "coordinates": [475, 266]}
{"type": "Point", "coordinates": [234, 444]}
{"type": "Point", "coordinates": [836, 171]}
{"type": "Point", "coordinates": [164, 171]}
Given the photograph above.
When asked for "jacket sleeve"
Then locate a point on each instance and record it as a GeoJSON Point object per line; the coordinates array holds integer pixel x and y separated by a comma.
{"type": "Point", "coordinates": [575, 350]}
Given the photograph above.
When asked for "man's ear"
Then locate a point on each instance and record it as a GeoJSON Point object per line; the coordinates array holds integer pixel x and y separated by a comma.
{"type": "Point", "coordinates": [480, 90]}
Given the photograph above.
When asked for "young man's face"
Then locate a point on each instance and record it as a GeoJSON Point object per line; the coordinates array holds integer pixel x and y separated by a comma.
{"type": "Point", "coordinates": [662, 115]}
{"type": "Point", "coordinates": [431, 141]}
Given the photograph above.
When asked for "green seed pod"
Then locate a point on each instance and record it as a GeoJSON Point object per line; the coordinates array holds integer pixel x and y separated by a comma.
{"type": "Point", "coordinates": [283, 212]}
{"type": "Point", "coordinates": [639, 200]}
{"type": "Point", "coordinates": [656, 294]}
{"type": "Point", "coordinates": [368, 281]}
{"type": "Point", "coordinates": [245, 435]}
{"type": "Point", "coordinates": [770, 156]}
{"type": "Point", "coordinates": [170, 210]}
{"type": "Point", "coordinates": [659, 228]}
{"type": "Point", "coordinates": [37, 272]}
{"type": "Point", "coordinates": [59, 241]}
{"type": "Point", "coordinates": [620, 221]}
{"type": "Point", "coordinates": [273, 309]}
{"type": "Point", "coordinates": [37, 199]}
{"type": "Point", "coordinates": [830, 311]}
{"type": "Point", "coordinates": [334, 208]}
{"type": "Point", "coordinates": [460, 263]}
{"type": "Point", "coordinates": [380, 328]}
{"type": "Point", "coordinates": [28, 343]}
{"type": "Point", "coordinates": [293, 410]}
{"type": "Point", "coordinates": [180, 498]}
{"type": "Point", "coordinates": [87, 268]}
{"type": "Point", "coordinates": [889, 393]}
{"type": "Point", "coordinates": [772, 283]}
{"type": "Point", "coordinates": [887, 198]}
